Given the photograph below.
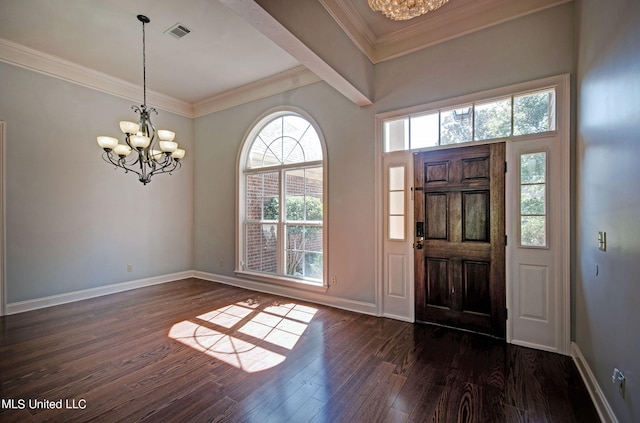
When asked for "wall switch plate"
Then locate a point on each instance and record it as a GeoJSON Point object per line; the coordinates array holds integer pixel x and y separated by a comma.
{"type": "Point", "coordinates": [602, 241]}
{"type": "Point", "coordinates": [618, 379]}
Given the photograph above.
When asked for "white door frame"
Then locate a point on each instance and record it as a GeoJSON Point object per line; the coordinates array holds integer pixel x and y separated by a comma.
{"type": "Point", "coordinates": [562, 134]}
{"type": "Point", "coordinates": [3, 241]}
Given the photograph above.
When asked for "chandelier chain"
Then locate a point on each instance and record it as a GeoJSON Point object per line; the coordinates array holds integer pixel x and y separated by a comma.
{"type": "Point", "coordinates": [144, 66]}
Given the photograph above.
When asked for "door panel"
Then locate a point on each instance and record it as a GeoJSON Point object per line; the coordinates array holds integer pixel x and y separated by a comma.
{"type": "Point", "coordinates": [396, 291]}
{"type": "Point", "coordinates": [476, 210]}
{"type": "Point", "coordinates": [437, 283]}
{"type": "Point", "coordinates": [437, 212]}
{"type": "Point", "coordinates": [459, 275]}
{"type": "Point", "coordinates": [540, 274]}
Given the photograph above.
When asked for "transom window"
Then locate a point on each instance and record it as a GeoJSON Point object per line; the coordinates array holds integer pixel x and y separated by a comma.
{"type": "Point", "coordinates": [282, 200]}
{"type": "Point", "coordinates": [512, 115]}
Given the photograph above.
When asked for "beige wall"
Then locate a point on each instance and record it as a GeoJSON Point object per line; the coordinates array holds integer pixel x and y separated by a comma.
{"type": "Point", "coordinates": [72, 222]}
{"type": "Point", "coordinates": [607, 324]}
{"type": "Point", "coordinates": [532, 47]}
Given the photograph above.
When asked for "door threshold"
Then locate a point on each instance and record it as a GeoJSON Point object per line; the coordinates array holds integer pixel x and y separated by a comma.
{"type": "Point", "coordinates": [459, 329]}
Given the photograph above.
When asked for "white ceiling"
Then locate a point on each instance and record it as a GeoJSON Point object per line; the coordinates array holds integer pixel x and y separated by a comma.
{"type": "Point", "coordinates": [98, 43]}
{"type": "Point", "coordinates": [220, 53]}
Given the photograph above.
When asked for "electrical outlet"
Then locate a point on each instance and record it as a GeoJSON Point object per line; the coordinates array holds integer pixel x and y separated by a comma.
{"type": "Point", "coordinates": [129, 267]}
{"type": "Point", "coordinates": [618, 379]}
{"type": "Point", "coordinates": [334, 280]}
{"type": "Point", "coordinates": [221, 262]}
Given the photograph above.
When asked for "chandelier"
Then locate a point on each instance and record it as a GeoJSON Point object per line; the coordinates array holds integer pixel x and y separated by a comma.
{"type": "Point", "coordinates": [154, 151]}
{"type": "Point", "coordinates": [401, 10]}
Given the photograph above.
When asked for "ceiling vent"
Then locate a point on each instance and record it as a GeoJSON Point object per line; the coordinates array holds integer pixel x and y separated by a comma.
{"type": "Point", "coordinates": [178, 30]}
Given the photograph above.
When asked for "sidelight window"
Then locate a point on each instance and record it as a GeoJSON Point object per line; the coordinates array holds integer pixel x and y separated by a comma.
{"type": "Point", "coordinates": [533, 199]}
{"type": "Point", "coordinates": [396, 223]}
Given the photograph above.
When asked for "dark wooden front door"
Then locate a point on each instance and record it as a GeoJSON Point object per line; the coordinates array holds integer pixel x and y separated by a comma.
{"type": "Point", "coordinates": [459, 213]}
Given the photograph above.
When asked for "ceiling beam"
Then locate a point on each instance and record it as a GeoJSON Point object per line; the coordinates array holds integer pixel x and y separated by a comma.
{"type": "Point", "coordinates": [315, 40]}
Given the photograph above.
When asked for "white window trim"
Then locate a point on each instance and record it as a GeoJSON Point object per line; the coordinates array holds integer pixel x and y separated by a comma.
{"type": "Point", "coordinates": [243, 153]}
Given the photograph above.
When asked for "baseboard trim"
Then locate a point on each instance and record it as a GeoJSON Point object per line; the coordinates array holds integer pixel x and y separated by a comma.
{"type": "Point", "coordinates": [297, 294]}
{"type": "Point", "coordinates": [294, 293]}
{"type": "Point", "coordinates": [597, 396]}
{"type": "Point", "coordinates": [398, 317]}
{"type": "Point", "coordinates": [540, 347]}
{"type": "Point", "coordinates": [23, 306]}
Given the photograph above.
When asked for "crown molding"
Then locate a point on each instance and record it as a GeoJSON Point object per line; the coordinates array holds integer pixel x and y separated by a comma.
{"type": "Point", "coordinates": [351, 22]}
{"type": "Point", "coordinates": [38, 61]}
{"type": "Point", "coordinates": [56, 67]}
{"type": "Point", "coordinates": [276, 84]}
{"type": "Point", "coordinates": [457, 19]}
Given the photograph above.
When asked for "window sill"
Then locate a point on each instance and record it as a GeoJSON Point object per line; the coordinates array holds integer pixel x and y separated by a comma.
{"type": "Point", "coordinates": [285, 282]}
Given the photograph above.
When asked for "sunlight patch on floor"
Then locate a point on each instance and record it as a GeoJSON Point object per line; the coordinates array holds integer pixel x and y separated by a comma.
{"type": "Point", "coordinates": [245, 334]}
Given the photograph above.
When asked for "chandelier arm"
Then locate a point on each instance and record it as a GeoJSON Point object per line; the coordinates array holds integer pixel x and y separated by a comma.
{"type": "Point", "coordinates": [108, 157]}
{"type": "Point", "coordinates": [119, 163]}
{"type": "Point", "coordinates": [170, 163]}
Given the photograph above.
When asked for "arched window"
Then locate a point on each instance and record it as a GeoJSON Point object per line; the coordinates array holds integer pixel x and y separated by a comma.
{"type": "Point", "coordinates": [281, 217]}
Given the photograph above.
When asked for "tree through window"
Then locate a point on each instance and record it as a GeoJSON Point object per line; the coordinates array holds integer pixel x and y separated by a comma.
{"type": "Point", "coordinates": [282, 233]}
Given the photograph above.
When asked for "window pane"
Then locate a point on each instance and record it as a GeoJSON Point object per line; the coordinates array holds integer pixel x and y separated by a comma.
{"type": "Point", "coordinates": [261, 252]}
{"type": "Point", "coordinates": [534, 112]}
{"type": "Point", "coordinates": [295, 263]}
{"type": "Point", "coordinates": [313, 238]}
{"type": "Point", "coordinates": [396, 227]}
{"type": "Point", "coordinates": [304, 251]}
{"type": "Point", "coordinates": [532, 199]}
{"type": "Point", "coordinates": [396, 178]}
{"type": "Point", "coordinates": [313, 265]}
{"type": "Point", "coordinates": [262, 196]}
{"type": "Point", "coordinates": [304, 195]}
{"type": "Point", "coordinates": [425, 130]}
{"type": "Point", "coordinates": [533, 231]}
{"type": "Point", "coordinates": [254, 197]}
{"type": "Point", "coordinates": [396, 202]}
{"type": "Point", "coordinates": [455, 126]}
{"type": "Point", "coordinates": [533, 168]}
{"type": "Point", "coordinates": [396, 135]}
{"type": "Point", "coordinates": [310, 143]}
{"type": "Point", "coordinates": [262, 154]}
{"type": "Point", "coordinates": [295, 237]}
{"type": "Point", "coordinates": [314, 180]}
{"type": "Point", "coordinates": [294, 126]}
{"type": "Point", "coordinates": [285, 140]}
{"type": "Point", "coordinates": [257, 153]}
{"type": "Point", "coordinates": [291, 151]}
{"type": "Point", "coordinates": [493, 120]}
{"type": "Point", "coordinates": [533, 207]}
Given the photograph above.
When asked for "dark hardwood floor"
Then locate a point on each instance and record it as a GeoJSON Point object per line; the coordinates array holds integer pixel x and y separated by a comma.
{"type": "Point", "coordinates": [196, 351]}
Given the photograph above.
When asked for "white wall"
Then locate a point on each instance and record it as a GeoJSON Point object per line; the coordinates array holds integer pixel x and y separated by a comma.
{"type": "Point", "coordinates": [608, 198]}
{"type": "Point", "coordinates": [529, 48]}
{"type": "Point", "coordinates": [73, 222]}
